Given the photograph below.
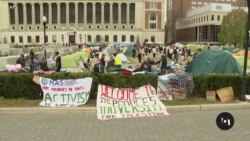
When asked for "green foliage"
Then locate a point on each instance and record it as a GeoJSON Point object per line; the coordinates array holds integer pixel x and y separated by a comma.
{"type": "Point", "coordinates": [145, 41]}
{"type": "Point", "coordinates": [214, 82]}
{"type": "Point", "coordinates": [21, 85]}
{"type": "Point", "coordinates": [195, 47]}
{"type": "Point", "coordinates": [233, 28]}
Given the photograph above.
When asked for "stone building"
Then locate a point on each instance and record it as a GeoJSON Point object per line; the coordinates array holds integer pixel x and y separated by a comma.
{"type": "Point", "coordinates": [81, 21]}
{"type": "Point", "coordinates": [177, 9]}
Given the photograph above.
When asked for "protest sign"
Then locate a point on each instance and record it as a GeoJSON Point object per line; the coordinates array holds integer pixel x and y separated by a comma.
{"type": "Point", "coordinates": [65, 93]}
{"type": "Point", "coordinates": [226, 94]}
{"type": "Point", "coordinates": [175, 86]}
{"type": "Point", "coordinates": [128, 102]}
{"type": "Point", "coordinates": [211, 95]}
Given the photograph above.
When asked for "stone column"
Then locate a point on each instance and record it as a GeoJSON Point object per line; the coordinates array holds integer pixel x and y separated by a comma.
{"type": "Point", "coordinates": [76, 13]}
{"type": "Point", "coordinates": [85, 13]}
{"type": "Point", "coordinates": [111, 13]}
{"type": "Point", "coordinates": [50, 15]}
{"type": "Point", "coordinates": [33, 15]}
{"type": "Point", "coordinates": [102, 12]}
{"type": "Point", "coordinates": [24, 15]}
{"type": "Point", "coordinates": [119, 13]}
{"type": "Point", "coordinates": [16, 15]}
{"type": "Point", "coordinates": [128, 12]}
{"type": "Point", "coordinates": [93, 13]}
{"type": "Point", "coordinates": [41, 14]}
{"type": "Point", "coordinates": [67, 14]}
{"type": "Point", "coordinates": [58, 14]}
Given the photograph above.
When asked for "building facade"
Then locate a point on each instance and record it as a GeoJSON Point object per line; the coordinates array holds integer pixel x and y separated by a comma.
{"type": "Point", "coordinates": [177, 9]}
{"type": "Point", "coordinates": [202, 25]}
{"type": "Point", "coordinates": [81, 21]}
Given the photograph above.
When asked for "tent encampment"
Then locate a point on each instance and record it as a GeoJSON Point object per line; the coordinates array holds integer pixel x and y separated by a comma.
{"type": "Point", "coordinates": [213, 62]}
{"type": "Point", "coordinates": [126, 46]}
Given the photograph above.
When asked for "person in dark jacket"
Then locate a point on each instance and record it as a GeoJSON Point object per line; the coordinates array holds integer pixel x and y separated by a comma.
{"type": "Point", "coordinates": [21, 60]}
{"type": "Point", "coordinates": [58, 62]}
{"type": "Point", "coordinates": [163, 62]}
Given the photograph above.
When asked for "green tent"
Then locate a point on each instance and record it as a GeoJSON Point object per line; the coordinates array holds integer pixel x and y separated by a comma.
{"type": "Point", "coordinates": [71, 61]}
{"type": "Point", "coordinates": [213, 62]}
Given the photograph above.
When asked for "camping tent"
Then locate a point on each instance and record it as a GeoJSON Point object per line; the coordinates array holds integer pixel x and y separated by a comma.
{"type": "Point", "coordinates": [127, 47]}
{"type": "Point", "coordinates": [213, 61]}
{"type": "Point", "coordinates": [71, 61]}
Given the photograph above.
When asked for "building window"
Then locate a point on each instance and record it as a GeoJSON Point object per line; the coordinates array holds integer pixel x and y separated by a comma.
{"type": "Point", "coordinates": [98, 38]}
{"type": "Point", "coordinates": [212, 18]}
{"type": "Point", "coordinates": [203, 33]}
{"type": "Point", "coordinates": [115, 38]}
{"type": "Point", "coordinates": [37, 39]}
{"type": "Point", "coordinates": [20, 39]}
{"type": "Point", "coordinates": [218, 18]}
{"type": "Point", "coordinates": [12, 39]}
{"type": "Point", "coordinates": [123, 38]}
{"type": "Point", "coordinates": [106, 38]}
{"type": "Point", "coordinates": [215, 30]}
{"type": "Point", "coordinates": [153, 38]}
{"type": "Point", "coordinates": [89, 38]}
{"type": "Point", "coordinates": [132, 38]}
{"type": "Point", "coordinates": [153, 5]}
{"type": "Point", "coordinates": [152, 21]}
{"type": "Point", "coordinates": [29, 39]}
{"type": "Point", "coordinates": [54, 38]}
{"type": "Point", "coordinates": [62, 36]}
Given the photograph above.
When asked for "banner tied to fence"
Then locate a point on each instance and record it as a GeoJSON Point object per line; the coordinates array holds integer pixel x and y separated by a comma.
{"type": "Point", "coordinates": [65, 93]}
{"type": "Point", "coordinates": [128, 102]}
{"type": "Point", "coordinates": [175, 86]}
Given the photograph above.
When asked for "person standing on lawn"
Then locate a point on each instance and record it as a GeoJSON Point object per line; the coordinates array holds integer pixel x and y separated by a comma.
{"type": "Point", "coordinates": [58, 62]}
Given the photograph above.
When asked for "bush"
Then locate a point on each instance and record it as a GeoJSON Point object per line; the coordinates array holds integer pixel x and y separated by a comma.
{"type": "Point", "coordinates": [21, 85]}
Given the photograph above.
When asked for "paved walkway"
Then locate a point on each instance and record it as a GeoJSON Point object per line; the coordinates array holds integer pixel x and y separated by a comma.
{"type": "Point", "coordinates": [84, 126]}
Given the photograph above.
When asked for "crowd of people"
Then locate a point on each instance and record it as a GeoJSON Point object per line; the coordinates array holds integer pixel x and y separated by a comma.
{"type": "Point", "coordinates": [32, 62]}
{"type": "Point", "coordinates": [97, 62]}
{"type": "Point", "coordinates": [172, 53]}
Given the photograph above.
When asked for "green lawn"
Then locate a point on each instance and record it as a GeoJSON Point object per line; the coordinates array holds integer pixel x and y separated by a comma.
{"type": "Point", "coordinates": [240, 59]}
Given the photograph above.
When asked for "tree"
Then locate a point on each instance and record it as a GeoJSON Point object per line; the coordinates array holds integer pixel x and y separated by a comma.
{"type": "Point", "coordinates": [233, 28]}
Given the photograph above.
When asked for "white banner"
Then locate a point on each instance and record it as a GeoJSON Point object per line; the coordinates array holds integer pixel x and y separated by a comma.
{"type": "Point", "coordinates": [128, 102]}
{"type": "Point", "coordinates": [65, 93]}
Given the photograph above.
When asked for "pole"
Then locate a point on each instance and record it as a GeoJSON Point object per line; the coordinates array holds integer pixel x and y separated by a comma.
{"type": "Point", "coordinates": [85, 41]}
{"type": "Point", "coordinates": [44, 31]}
{"type": "Point", "coordinates": [246, 45]}
{"type": "Point", "coordinates": [44, 37]}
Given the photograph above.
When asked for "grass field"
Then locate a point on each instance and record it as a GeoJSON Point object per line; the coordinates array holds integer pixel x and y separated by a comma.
{"type": "Point", "coordinates": [240, 59]}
